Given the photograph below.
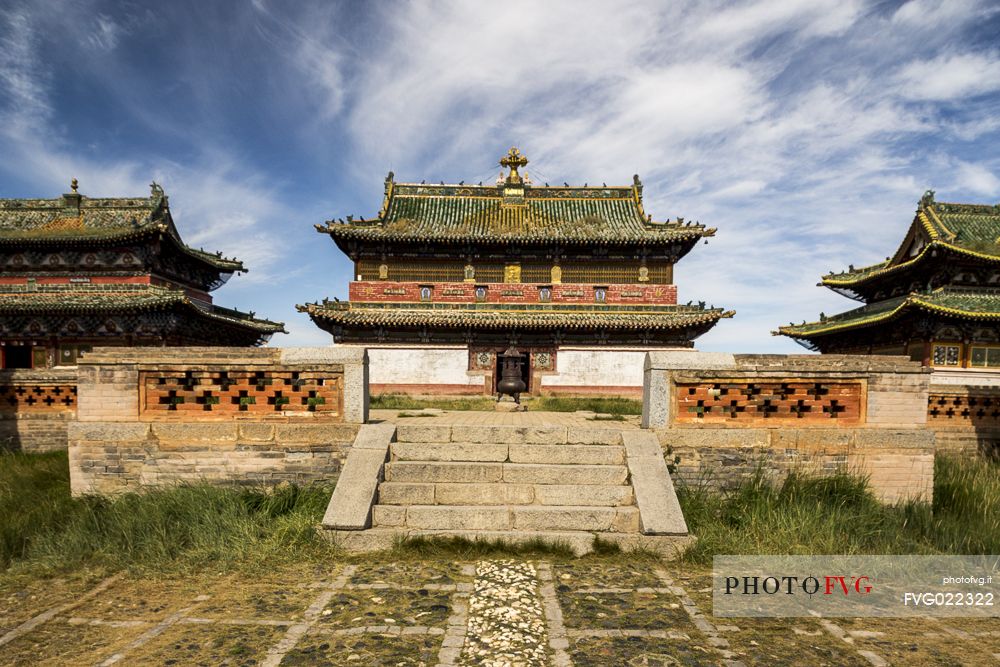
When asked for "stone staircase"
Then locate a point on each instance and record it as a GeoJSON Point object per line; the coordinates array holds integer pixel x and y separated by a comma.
{"type": "Point", "coordinates": [517, 484]}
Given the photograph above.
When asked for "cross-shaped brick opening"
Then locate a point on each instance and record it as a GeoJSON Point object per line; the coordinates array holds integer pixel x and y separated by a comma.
{"type": "Point", "coordinates": [799, 408]}
{"type": "Point", "coordinates": [171, 400]}
{"type": "Point", "coordinates": [834, 408]}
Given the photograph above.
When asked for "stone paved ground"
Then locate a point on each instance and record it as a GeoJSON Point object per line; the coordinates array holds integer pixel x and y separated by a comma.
{"type": "Point", "coordinates": [373, 611]}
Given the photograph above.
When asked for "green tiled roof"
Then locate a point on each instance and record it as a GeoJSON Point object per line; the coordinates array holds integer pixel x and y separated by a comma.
{"type": "Point", "coordinates": [419, 212]}
{"type": "Point", "coordinates": [949, 302]}
{"type": "Point", "coordinates": [96, 299]}
{"type": "Point", "coordinates": [492, 316]}
{"type": "Point", "coordinates": [75, 218]}
{"type": "Point", "coordinates": [971, 230]}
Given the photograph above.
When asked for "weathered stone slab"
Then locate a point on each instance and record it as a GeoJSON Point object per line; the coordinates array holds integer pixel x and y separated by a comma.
{"type": "Point", "coordinates": [439, 517]}
{"type": "Point", "coordinates": [388, 515]}
{"type": "Point", "coordinates": [489, 434]}
{"type": "Point", "coordinates": [443, 471]}
{"type": "Point", "coordinates": [351, 503]}
{"type": "Point", "coordinates": [422, 433]}
{"type": "Point", "coordinates": [483, 494]}
{"type": "Point", "coordinates": [374, 436]}
{"type": "Point", "coordinates": [449, 451]}
{"type": "Point", "coordinates": [577, 494]}
{"type": "Point", "coordinates": [107, 431]}
{"type": "Point", "coordinates": [594, 436]}
{"type": "Point", "coordinates": [567, 454]}
{"type": "Point", "coordinates": [529, 473]}
{"type": "Point", "coordinates": [405, 493]}
{"type": "Point", "coordinates": [659, 511]}
{"type": "Point", "coordinates": [536, 517]}
{"type": "Point", "coordinates": [195, 432]}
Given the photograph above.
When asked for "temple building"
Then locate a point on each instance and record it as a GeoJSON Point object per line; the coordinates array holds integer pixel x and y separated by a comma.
{"type": "Point", "coordinates": [78, 271]}
{"type": "Point", "coordinates": [448, 277]}
{"type": "Point", "coordinates": [937, 299]}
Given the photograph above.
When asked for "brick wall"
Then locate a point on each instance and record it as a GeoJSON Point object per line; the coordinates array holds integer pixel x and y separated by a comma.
{"type": "Point", "coordinates": [723, 416]}
{"type": "Point", "coordinates": [387, 291]}
{"type": "Point", "coordinates": [125, 437]}
{"type": "Point", "coordinates": [36, 407]}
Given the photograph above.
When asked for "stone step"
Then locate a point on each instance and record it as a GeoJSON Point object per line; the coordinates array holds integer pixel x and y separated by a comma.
{"type": "Point", "coordinates": [498, 493]}
{"type": "Point", "coordinates": [513, 473]}
{"type": "Point", "coordinates": [507, 517]}
{"type": "Point", "coordinates": [449, 451]}
{"type": "Point", "coordinates": [579, 542]}
{"type": "Point", "coordinates": [515, 453]}
{"type": "Point", "coordinates": [511, 435]}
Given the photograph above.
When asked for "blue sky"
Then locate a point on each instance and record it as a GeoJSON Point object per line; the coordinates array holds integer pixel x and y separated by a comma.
{"type": "Point", "coordinates": [804, 130]}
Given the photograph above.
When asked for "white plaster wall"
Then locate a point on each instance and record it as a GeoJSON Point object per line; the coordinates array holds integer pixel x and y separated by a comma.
{"type": "Point", "coordinates": [602, 367]}
{"type": "Point", "coordinates": [408, 365]}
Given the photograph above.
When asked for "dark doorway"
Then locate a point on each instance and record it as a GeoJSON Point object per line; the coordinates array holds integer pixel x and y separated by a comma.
{"type": "Point", "coordinates": [17, 356]}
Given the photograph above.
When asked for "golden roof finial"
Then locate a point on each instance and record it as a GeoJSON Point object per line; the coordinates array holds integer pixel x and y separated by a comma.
{"type": "Point", "coordinates": [74, 184]}
{"type": "Point", "coordinates": [513, 159]}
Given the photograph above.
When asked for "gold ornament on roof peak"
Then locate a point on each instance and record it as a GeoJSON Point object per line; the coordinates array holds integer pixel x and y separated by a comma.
{"type": "Point", "coordinates": [513, 160]}
{"type": "Point", "coordinates": [73, 185]}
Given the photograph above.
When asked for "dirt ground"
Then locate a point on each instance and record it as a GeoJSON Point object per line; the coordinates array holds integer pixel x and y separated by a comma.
{"type": "Point", "coordinates": [373, 611]}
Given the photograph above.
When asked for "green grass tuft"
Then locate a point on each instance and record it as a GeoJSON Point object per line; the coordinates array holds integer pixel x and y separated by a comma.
{"type": "Point", "coordinates": [181, 527]}
{"type": "Point", "coordinates": [839, 515]}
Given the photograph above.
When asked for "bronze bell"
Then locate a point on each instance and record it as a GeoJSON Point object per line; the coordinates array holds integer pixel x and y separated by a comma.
{"type": "Point", "coordinates": [511, 380]}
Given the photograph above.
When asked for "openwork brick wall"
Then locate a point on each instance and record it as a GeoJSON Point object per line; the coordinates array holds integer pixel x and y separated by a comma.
{"type": "Point", "coordinates": [224, 394]}
{"type": "Point", "coordinates": [828, 403]}
{"type": "Point", "coordinates": [35, 407]}
{"type": "Point", "coordinates": [721, 417]}
{"type": "Point", "coordinates": [966, 419]}
{"type": "Point", "coordinates": [17, 398]}
{"type": "Point", "coordinates": [222, 415]}
{"type": "Point", "coordinates": [974, 410]}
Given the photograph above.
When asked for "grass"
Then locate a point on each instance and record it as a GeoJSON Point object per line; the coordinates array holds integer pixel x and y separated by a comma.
{"type": "Point", "coordinates": [183, 527]}
{"type": "Point", "coordinates": [186, 528]}
{"type": "Point", "coordinates": [403, 402]}
{"type": "Point", "coordinates": [612, 406]}
{"type": "Point", "coordinates": [839, 515]}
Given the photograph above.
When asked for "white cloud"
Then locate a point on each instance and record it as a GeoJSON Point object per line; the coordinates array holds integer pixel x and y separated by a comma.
{"type": "Point", "coordinates": [977, 178]}
{"type": "Point", "coordinates": [950, 77]}
{"type": "Point", "coordinates": [105, 33]}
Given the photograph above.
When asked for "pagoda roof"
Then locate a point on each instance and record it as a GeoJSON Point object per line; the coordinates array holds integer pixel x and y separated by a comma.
{"type": "Point", "coordinates": [969, 230]}
{"type": "Point", "coordinates": [126, 298]}
{"type": "Point", "coordinates": [514, 211]}
{"type": "Point", "coordinates": [522, 316]}
{"type": "Point", "coordinates": [75, 219]}
{"type": "Point", "coordinates": [949, 302]}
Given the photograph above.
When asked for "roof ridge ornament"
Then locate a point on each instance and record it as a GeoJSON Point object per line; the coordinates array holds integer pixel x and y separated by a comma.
{"type": "Point", "coordinates": [74, 185]}
{"type": "Point", "coordinates": [927, 199]}
{"type": "Point", "coordinates": [513, 160]}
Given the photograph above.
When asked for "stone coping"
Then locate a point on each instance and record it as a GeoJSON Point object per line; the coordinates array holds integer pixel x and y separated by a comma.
{"type": "Point", "coordinates": [798, 363]}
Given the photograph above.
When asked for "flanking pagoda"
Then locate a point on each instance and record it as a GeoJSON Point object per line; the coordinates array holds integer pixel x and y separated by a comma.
{"type": "Point", "coordinates": [448, 277]}
{"type": "Point", "coordinates": [78, 271]}
{"type": "Point", "coordinates": [937, 299]}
